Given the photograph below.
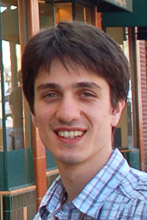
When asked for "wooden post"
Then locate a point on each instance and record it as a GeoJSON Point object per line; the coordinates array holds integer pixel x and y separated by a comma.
{"type": "Point", "coordinates": [39, 155]}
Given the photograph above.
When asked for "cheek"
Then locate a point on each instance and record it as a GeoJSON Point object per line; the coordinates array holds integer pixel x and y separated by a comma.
{"type": "Point", "coordinates": [44, 117]}
{"type": "Point", "coordinates": [103, 122]}
{"type": "Point", "coordinates": [99, 119]}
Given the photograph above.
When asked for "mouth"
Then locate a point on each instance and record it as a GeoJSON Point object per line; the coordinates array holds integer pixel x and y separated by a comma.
{"type": "Point", "coordinates": [70, 134]}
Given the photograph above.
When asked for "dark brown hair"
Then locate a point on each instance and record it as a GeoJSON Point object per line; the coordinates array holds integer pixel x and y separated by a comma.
{"type": "Point", "coordinates": [84, 45]}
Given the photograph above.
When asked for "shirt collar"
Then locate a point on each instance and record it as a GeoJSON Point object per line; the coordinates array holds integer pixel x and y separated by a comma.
{"type": "Point", "coordinates": [53, 198]}
{"type": "Point", "coordinates": [93, 196]}
{"type": "Point", "coordinates": [95, 193]}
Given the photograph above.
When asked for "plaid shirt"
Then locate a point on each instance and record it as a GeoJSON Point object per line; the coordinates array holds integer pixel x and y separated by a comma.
{"type": "Point", "coordinates": [117, 192]}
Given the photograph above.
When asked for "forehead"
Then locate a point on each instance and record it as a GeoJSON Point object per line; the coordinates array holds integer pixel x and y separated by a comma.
{"type": "Point", "coordinates": [66, 70]}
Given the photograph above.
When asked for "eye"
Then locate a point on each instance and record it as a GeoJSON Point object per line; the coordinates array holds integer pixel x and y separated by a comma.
{"type": "Point", "coordinates": [51, 96]}
{"type": "Point", "coordinates": [87, 95]}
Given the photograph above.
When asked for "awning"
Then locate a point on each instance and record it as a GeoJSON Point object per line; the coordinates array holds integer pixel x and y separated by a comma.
{"type": "Point", "coordinates": [114, 5]}
{"type": "Point", "coordinates": [128, 19]}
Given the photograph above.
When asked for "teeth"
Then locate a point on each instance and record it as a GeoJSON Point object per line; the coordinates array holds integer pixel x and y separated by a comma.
{"type": "Point", "coordinates": [70, 134]}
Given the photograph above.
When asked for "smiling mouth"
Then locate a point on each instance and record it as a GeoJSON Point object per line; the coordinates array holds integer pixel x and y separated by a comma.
{"type": "Point", "coordinates": [70, 134]}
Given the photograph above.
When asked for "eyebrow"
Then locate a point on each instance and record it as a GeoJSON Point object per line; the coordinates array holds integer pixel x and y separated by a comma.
{"type": "Point", "coordinates": [48, 86]}
{"type": "Point", "coordinates": [91, 85]}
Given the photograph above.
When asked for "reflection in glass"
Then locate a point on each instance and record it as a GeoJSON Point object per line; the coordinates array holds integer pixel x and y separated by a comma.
{"type": "Point", "coordinates": [46, 14]}
{"type": "Point", "coordinates": [52, 12]}
{"type": "Point", "coordinates": [123, 135]}
{"type": "Point", "coordinates": [83, 13]}
{"type": "Point", "coordinates": [63, 12]}
{"type": "Point", "coordinates": [13, 111]}
{"type": "Point", "coordinates": [1, 123]}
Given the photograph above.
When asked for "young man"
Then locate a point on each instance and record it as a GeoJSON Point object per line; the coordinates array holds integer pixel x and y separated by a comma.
{"type": "Point", "coordinates": [76, 79]}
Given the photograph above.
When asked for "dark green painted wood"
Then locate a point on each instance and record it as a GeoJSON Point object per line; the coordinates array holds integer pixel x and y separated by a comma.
{"type": "Point", "coordinates": [115, 5]}
{"type": "Point", "coordinates": [50, 162]}
{"type": "Point", "coordinates": [7, 207]}
{"type": "Point", "coordinates": [1, 171]}
{"type": "Point", "coordinates": [20, 168]}
{"type": "Point", "coordinates": [127, 19]}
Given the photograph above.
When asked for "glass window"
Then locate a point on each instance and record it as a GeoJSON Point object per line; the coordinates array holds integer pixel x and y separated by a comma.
{"type": "Point", "coordinates": [11, 84]}
{"type": "Point", "coordinates": [123, 131]}
{"type": "Point", "coordinates": [63, 12]}
{"type": "Point", "coordinates": [15, 135]}
{"type": "Point", "coordinates": [124, 134]}
{"type": "Point", "coordinates": [52, 12]}
{"type": "Point", "coordinates": [46, 14]}
{"type": "Point", "coordinates": [83, 13]}
{"type": "Point", "coordinates": [126, 121]}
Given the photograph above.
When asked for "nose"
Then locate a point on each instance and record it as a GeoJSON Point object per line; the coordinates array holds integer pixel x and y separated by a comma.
{"type": "Point", "coordinates": [68, 110]}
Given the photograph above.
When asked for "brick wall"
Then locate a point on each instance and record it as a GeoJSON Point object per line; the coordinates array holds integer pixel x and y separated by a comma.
{"type": "Point", "coordinates": [142, 68]}
{"type": "Point", "coordinates": [18, 204]}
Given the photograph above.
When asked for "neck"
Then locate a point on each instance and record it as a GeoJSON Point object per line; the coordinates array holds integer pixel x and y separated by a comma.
{"type": "Point", "coordinates": [76, 176]}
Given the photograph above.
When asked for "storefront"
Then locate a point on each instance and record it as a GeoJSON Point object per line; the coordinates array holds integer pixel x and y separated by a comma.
{"type": "Point", "coordinates": [134, 28]}
{"type": "Point", "coordinates": [24, 163]}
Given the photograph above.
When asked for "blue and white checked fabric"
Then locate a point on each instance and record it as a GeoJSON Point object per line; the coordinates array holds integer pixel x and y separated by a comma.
{"type": "Point", "coordinates": [117, 192]}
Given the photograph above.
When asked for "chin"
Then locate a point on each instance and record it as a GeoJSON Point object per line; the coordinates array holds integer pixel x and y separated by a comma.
{"type": "Point", "coordinates": [69, 160]}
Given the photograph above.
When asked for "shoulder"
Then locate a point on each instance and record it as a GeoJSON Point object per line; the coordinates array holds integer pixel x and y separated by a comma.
{"type": "Point", "coordinates": [129, 199]}
{"type": "Point", "coordinates": [134, 185]}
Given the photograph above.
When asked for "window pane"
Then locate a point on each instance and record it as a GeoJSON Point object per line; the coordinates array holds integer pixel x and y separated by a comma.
{"type": "Point", "coordinates": [63, 12]}
{"type": "Point", "coordinates": [15, 159]}
{"type": "Point", "coordinates": [80, 13]}
{"type": "Point", "coordinates": [13, 108]}
{"type": "Point", "coordinates": [1, 116]}
{"type": "Point", "coordinates": [46, 14]}
{"type": "Point", "coordinates": [84, 13]}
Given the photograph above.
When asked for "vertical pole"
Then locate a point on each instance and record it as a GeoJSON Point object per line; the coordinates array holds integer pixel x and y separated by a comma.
{"type": "Point", "coordinates": [54, 12]}
{"type": "Point", "coordinates": [3, 110]}
{"type": "Point", "coordinates": [136, 96]}
{"type": "Point", "coordinates": [96, 18]}
{"type": "Point", "coordinates": [39, 156]}
{"type": "Point", "coordinates": [73, 10]}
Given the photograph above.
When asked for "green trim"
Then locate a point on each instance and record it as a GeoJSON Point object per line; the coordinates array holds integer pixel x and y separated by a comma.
{"type": "Point", "coordinates": [3, 107]}
{"type": "Point", "coordinates": [19, 169]}
{"type": "Point", "coordinates": [133, 158]}
{"type": "Point", "coordinates": [20, 163]}
{"type": "Point", "coordinates": [125, 4]}
{"type": "Point", "coordinates": [50, 162]}
{"type": "Point", "coordinates": [7, 207]}
{"type": "Point", "coordinates": [125, 19]}
{"type": "Point", "coordinates": [2, 182]}
{"type": "Point", "coordinates": [1, 211]}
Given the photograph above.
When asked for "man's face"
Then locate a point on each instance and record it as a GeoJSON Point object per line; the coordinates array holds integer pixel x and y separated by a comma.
{"type": "Point", "coordinates": [73, 113]}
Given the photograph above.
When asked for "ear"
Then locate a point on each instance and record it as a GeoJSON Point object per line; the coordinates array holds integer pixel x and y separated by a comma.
{"type": "Point", "coordinates": [116, 114]}
{"type": "Point", "coordinates": [34, 120]}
